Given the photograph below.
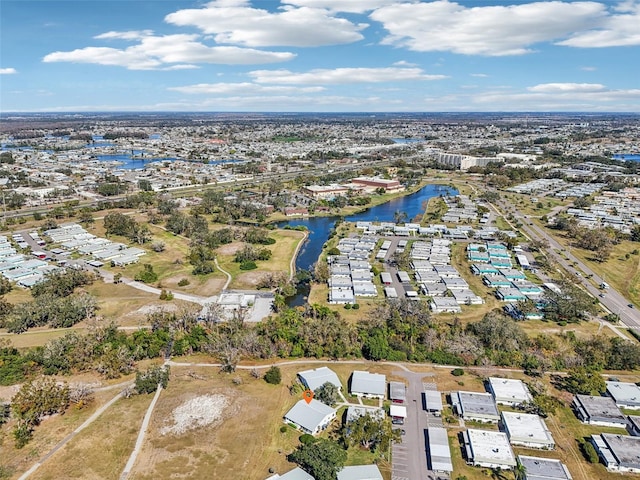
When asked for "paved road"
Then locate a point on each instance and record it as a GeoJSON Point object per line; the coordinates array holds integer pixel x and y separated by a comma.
{"type": "Point", "coordinates": [410, 457]}
{"type": "Point", "coordinates": [613, 300]}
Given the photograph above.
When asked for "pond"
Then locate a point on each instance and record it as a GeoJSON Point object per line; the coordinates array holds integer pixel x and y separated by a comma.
{"type": "Point", "coordinates": [320, 227]}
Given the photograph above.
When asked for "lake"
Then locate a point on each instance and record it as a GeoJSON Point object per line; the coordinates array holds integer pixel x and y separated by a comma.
{"type": "Point", "coordinates": [320, 227]}
{"type": "Point", "coordinates": [629, 157]}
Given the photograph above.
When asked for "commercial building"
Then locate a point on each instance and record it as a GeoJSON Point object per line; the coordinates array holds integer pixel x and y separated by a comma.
{"type": "Point", "coordinates": [527, 430]}
{"type": "Point", "coordinates": [312, 417]}
{"type": "Point", "coordinates": [313, 379]}
{"type": "Point", "coordinates": [626, 395]}
{"type": "Point", "coordinates": [486, 448]}
{"type": "Point", "coordinates": [475, 406]}
{"type": "Point", "coordinates": [619, 453]}
{"type": "Point", "coordinates": [507, 391]}
{"type": "Point", "coordinates": [543, 468]}
{"type": "Point", "coordinates": [325, 192]}
{"type": "Point", "coordinates": [365, 384]}
{"type": "Point", "coordinates": [438, 451]}
{"type": "Point", "coordinates": [601, 411]}
{"type": "Point", "coordinates": [373, 183]}
{"type": "Point", "coordinates": [633, 425]}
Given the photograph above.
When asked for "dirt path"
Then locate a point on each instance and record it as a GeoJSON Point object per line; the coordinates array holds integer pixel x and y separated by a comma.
{"type": "Point", "coordinates": [229, 278]}
{"type": "Point", "coordinates": [292, 263]}
{"type": "Point", "coordinates": [66, 439]}
{"type": "Point", "coordinates": [141, 434]}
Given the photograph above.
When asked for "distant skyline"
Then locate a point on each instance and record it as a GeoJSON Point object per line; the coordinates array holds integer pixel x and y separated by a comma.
{"type": "Point", "coordinates": [320, 56]}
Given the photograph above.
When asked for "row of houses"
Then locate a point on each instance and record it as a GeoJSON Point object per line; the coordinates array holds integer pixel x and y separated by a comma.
{"type": "Point", "coordinates": [350, 274]}
{"type": "Point", "coordinates": [19, 268]}
{"type": "Point", "coordinates": [354, 472]}
{"type": "Point", "coordinates": [619, 453]}
{"type": "Point", "coordinates": [72, 237]}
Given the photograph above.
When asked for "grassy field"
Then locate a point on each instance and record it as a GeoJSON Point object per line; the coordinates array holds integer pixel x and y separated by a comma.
{"type": "Point", "coordinates": [526, 206]}
{"type": "Point", "coordinates": [51, 431]}
{"type": "Point", "coordinates": [282, 253]}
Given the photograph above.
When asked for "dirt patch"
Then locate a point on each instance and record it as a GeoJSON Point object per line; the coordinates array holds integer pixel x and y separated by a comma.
{"type": "Point", "coordinates": [248, 279]}
{"type": "Point", "coordinates": [230, 248]}
{"type": "Point", "coordinates": [195, 413]}
{"type": "Point", "coordinates": [154, 308]}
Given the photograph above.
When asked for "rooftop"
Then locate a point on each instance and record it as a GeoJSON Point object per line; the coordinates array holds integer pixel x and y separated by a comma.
{"type": "Point", "coordinates": [490, 447]}
{"type": "Point", "coordinates": [360, 472]}
{"type": "Point", "coordinates": [600, 407]}
{"type": "Point", "coordinates": [309, 415]}
{"type": "Point", "coordinates": [439, 450]}
{"type": "Point", "coordinates": [526, 427]}
{"type": "Point", "coordinates": [544, 468]}
{"type": "Point", "coordinates": [314, 379]}
{"type": "Point", "coordinates": [625, 449]}
{"type": "Point", "coordinates": [368, 383]}
{"type": "Point", "coordinates": [624, 393]}
{"type": "Point", "coordinates": [473, 403]}
{"type": "Point", "coordinates": [507, 389]}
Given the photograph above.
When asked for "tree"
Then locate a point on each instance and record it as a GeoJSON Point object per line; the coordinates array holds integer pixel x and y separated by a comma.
{"type": "Point", "coordinates": [34, 400]}
{"type": "Point", "coordinates": [370, 432]}
{"type": "Point", "coordinates": [572, 304]}
{"type": "Point", "coordinates": [273, 376]}
{"type": "Point", "coordinates": [327, 393]}
{"type": "Point", "coordinates": [86, 216]}
{"type": "Point", "coordinates": [146, 275]}
{"type": "Point", "coordinates": [322, 459]}
{"type": "Point", "coordinates": [149, 380]}
{"type": "Point", "coordinates": [5, 286]}
{"type": "Point", "coordinates": [581, 380]}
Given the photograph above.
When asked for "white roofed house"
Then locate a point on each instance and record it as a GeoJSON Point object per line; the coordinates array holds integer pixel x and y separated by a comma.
{"type": "Point", "coordinates": [486, 448]}
{"type": "Point", "coordinates": [365, 384]}
{"type": "Point", "coordinates": [312, 417]}
{"type": "Point", "coordinates": [626, 395]}
{"type": "Point", "coordinates": [507, 391]}
{"type": "Point", "coordinates": [314, 379]}
{"type": "Point", "coordinates": [527, 430]}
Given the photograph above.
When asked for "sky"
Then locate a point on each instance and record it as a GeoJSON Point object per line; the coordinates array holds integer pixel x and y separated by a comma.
{"type": "Point", "coordinates": [319, 55]}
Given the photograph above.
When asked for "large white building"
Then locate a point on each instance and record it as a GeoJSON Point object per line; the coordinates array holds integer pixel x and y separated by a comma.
{"type": "Point", "coordinates": [314, 379]}
{"type": "Point", "coordinates": [601, 411]}
{"type": "Point", "coordinates": [507, 391]}
{"type": "Point", "coordinates": [486, 448]}
{"type": "Point", "coordinates": [371, 385]}
{"type": "Point", "coordinates": [543, 468]}
{"type": "Point", "coordinates": [527, 430]}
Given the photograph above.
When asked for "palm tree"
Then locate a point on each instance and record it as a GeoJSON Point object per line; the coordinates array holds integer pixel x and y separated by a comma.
{"type": "Point", "coordinates": [520, 472]}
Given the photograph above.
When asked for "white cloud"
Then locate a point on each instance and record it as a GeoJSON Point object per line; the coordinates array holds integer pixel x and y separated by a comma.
{"type": "Point", "coordinates": [156, 52]}
{"type": "Point", "coordinates": [616, 31]}
{"type": "Point", "coordinates": [129, 35]}
{"type": "Point", "coordinates": [484, 30]}
{"type": "Point", "coordinates": [588, 69]}
{"type": "Point", "coordinates": [403, 63]}
{"type": "Point", "coordinates": [240, 24]}
{"type": "Point", "coordinates": [567, 87]}
{"type": "Point", "coordinates": [349, 6]}
{"type": "Point", "coordinates": [479, 75]}
{"type": "Point", "coordinates": [342, 76]}
{"type": "Point", "coordinates": [8, 71]}
{"type": "Point", "coordinates": [242, 89]}
{"type": "Point", "coordinates": [577, 97]}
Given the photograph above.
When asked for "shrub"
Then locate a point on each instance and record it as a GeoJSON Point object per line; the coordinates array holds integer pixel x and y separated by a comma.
{"type": "Point", "coordinates": [248, 265]}
{"type": "Point", "coordinates": [184, 282]}
{"type": "Point", "coordinates": [283, 429]}
{"type": "Point", "coordinates": [273, 376]}
{"type": "Point", "coordinates": [146, 275]}
{"type": "Point", "coordinates": [306, 439]}
{"type": "Point", "coordinates": [166, 295]}
{"type": "Point", "coordinates": [347, 306]}
{"type": "Point", "coordinates": [588, 451]}
{"type": "Point", "coordinates": [356, 306]}
{"type": "Point", "coordinates": [457, 372]}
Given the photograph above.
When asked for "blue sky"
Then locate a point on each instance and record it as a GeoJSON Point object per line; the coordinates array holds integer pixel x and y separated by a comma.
{"type": "Point", "coordinates": [320, 55]}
